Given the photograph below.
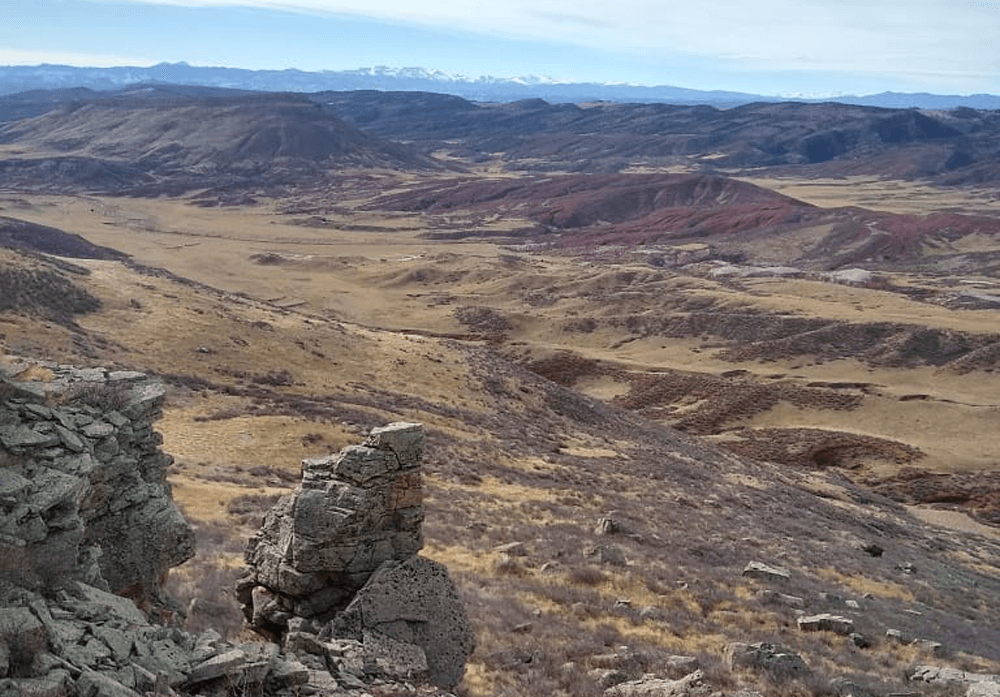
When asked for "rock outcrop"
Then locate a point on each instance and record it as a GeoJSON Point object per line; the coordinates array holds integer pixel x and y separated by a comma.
{"type": "Point", "coordinates": [83, 490]}
{"type": "Point", "coordinates": [319, 546]}
{"type": "Point", "coordinates": [340, 554]}
{"type": "Point", "coordinates": [88, 530]}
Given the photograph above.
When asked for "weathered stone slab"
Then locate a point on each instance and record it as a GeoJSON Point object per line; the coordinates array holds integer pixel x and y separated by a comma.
{"type": "Point", "coordinates": [287, 672]}
{"type": "Point", "coordinates": [12, 484]}
{"type": "Point", "coordinates": [764, 572]}
{"type": "Point", "coordinates": [771, 596]}
{"type": "Point", "coordinates": [36, 411]}
{"type": "Point", "coordinates": [651, 686]}
{"type": "Point", "coordinates": [228, 663]}
{"type": "Point", "coordinates": [826, 623]}
{"type": "Point", "coordinates": [118, 606]}
{"type": "Point", "coordinates": [70, 439]}
{"type": "Point", "coordinates": [98, 429]}
{"type": "Point", "coordinates": [25, 437]}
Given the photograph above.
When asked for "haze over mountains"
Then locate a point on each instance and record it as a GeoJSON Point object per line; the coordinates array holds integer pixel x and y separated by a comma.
{"type": "Point", "coordinates": [485, 88]}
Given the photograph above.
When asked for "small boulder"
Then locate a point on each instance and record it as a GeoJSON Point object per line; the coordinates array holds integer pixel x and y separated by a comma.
{"type": "Point", "coordinates": [933, 647]}
{"type": "Point", "coordinates": [873, 549]}
{"type": "Point", "coordinates": [608, 526]}
{"type": "Point", "coordinates": [776, 660]}
{"type": "Point", "coordinates": [826, 623]}
{"type": "Point", "coordinates": [764, 572]}
{"type": "Point", "coordinates": [413, 602]}
{"type": "Point", "coordinates": [773, 597]}
{"type": "Point", "coordinates": [608, 554]}
{"type": "Point", "coordinates": [679, 666]}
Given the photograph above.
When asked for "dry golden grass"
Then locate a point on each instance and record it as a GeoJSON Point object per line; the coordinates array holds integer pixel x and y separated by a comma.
{"type": "Point", "coordinates": [862, 585]}
{"type": "Point", "coordinates": [880, 194]}
{"type": "Point", "coordinates": [348, 370]}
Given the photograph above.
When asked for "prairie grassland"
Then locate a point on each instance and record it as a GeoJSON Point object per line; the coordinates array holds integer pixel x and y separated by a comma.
{"type": "Point", "coordinates": [879, 194]}
{"type": "Point", "coordinates": [256, 384]}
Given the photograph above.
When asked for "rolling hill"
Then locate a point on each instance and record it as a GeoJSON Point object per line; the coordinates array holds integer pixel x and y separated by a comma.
{"type": "Point", "coordinates": [193, 142]}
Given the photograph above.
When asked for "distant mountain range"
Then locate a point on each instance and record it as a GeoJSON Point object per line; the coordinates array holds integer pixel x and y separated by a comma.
{"type": "Point", "coordinates": [15, 79]}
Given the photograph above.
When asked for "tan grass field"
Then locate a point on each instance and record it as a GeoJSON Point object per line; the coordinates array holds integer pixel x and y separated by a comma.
{"type": "Point", "coordinates": [400, 280]}
{"type": "Point", "coordinates": [875, 193]}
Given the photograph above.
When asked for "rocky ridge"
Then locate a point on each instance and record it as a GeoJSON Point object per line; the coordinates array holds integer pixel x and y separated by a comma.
{"type": "Point", "coordinates": [88, 531]}
{"type": "Point", "coordinates": [83, 486]}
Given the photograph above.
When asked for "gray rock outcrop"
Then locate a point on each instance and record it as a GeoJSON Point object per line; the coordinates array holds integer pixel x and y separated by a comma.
{"type": "Point", "coordinates": [352, 512]}
{"type": "Point", "coordinates": [83, 490]}
{"type": "Point", "coordinates": [826, 622]}
{"type": "Point", "coordinates": [340, 553]}
{"type": "Point", "coordinates": [88, 530]}
{"type": "Point", "coordinates": [693, 685]}
{"type": "Point", "coordinates": [766, 572]}
{"type": "Point", "coordinates": [776, 660]}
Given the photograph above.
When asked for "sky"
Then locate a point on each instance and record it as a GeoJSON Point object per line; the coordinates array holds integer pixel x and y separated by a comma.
{"type": "Point", "coordinates": [771, 47]}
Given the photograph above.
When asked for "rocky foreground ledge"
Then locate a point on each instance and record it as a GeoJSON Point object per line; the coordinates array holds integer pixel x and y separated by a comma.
{"type": "Point", "coordinates": [88, 532]}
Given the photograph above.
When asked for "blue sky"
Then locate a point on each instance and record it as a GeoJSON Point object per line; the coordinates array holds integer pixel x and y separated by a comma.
{"type": "Point", "coordinates": [808, 47]}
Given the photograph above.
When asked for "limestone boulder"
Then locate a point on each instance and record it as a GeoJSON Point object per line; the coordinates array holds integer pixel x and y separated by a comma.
{"type": "Point", "coordinates": [353, 511]}
{"type": "Point", "coordinates": [413, 602]}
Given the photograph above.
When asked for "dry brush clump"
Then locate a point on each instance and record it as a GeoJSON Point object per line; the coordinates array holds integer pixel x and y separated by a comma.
{"type": "Point", "coordinates": [43, 292]}
{"type": "Point", "coordinates": [105, 396]}
{"type": "Point", "coordinates": [204, 585]}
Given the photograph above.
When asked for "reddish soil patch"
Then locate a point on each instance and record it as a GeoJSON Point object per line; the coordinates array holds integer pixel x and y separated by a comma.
{"type": "Point", "coordinates": [717, 400]}
{"type": "Point", "coordinates": [817, 448]}
{"type": "Point", "coordinates": [977, 493]}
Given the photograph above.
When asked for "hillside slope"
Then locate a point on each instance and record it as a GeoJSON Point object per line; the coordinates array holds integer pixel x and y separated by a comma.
{"type": "Point", "coordinates": [826, 138]}
{"type": "Point", "coordinates": [520, 472]}
{"type": "Point", "coordinates": [201, 142]}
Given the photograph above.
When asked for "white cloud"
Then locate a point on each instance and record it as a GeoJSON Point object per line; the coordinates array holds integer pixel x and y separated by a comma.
{"type": "Point", "coordinates": [16, 56]}
{"type": "Point", "coordinates": [931, 39]}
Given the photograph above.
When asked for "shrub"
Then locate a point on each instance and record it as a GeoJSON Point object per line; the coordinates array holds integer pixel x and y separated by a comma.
{"type": "Point", "coordinates": [105, 396]}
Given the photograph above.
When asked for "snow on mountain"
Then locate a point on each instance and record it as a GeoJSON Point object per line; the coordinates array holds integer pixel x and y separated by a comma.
{"type": "Point", "coordinates": [15, 79]}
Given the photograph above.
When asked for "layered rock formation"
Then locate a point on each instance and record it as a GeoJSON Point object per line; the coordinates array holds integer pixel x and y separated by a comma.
{"type": "Point", "coordinates": [339, 553]}
{"type": "Point", "coordinates": [83, 490]}
{"type": "Point", "coordinates": [86, 518]}
{"type": "Point", "coordinates": [353, 511]}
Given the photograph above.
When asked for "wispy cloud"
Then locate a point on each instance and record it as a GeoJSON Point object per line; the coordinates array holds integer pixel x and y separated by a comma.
{"type": "Point", "coordinates": [921, 44]}
{"type": "Point", "coordinates": [16, 56]}
{"type": "Point", "coordinates": [919, 36]}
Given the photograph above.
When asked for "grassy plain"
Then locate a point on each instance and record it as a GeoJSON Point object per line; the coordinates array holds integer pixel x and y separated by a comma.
{"type": "Point", "coordinates": [293, 340]}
